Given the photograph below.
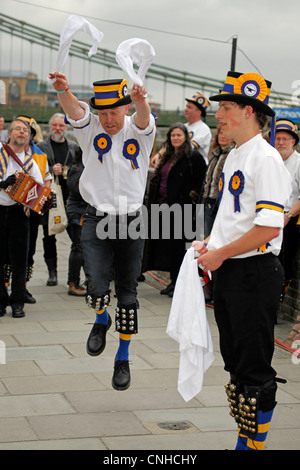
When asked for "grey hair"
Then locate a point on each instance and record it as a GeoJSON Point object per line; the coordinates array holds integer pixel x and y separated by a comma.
{"type": "Point", "coordinates": [22, 121]}
{"type": "Point", "coordinates": [59, 115]}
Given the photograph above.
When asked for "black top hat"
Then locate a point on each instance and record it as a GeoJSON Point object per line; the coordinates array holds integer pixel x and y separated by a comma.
{"type": "Point", "coordinates": [110, 94]}
{"type": "Point", "coordinates": [200, 101]}
{"type": "Point", "coordinates": [248, 88]}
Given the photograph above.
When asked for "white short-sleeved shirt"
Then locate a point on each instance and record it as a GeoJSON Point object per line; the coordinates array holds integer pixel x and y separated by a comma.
{"type": "Point", "coordinates": [200, 135]}
{"type": "Point", "coordinates": [12, 167]}
{"type": "Point", "coordinates": [292, 164]}
{"type": "Point", "coordinates": [254, 188]}
{"type": "Point", "coordinates": [115, 167]}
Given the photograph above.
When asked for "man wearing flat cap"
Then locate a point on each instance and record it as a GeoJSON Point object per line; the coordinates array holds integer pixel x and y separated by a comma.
{"type": "Point", "coordinates": [116, 151]}
{"type": "Point", "coordinates": [242, 254]}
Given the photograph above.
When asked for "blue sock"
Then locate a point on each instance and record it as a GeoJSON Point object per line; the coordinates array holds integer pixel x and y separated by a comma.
{"type": "Point", "coordinates": [123, 350]}
{"type": "Point", "coordinates": [258, 442]}
{"type": "Point", "coordinates": [102, 316]}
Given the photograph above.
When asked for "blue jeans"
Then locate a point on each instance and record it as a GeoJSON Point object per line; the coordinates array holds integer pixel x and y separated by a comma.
{"type": "Point", "coordinates": [111, 258]}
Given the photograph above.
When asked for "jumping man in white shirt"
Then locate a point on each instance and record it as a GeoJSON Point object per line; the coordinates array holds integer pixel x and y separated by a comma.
{"type": "Point", "coordinates": [116, 151]}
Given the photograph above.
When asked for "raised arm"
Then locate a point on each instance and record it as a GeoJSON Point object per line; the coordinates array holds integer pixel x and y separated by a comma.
{"type": "Point", "coordinates": [141, 106]}
{"type": "Point", "coordinates": [68, 101]}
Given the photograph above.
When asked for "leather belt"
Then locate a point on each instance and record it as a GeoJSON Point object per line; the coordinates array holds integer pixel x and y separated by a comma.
{"type": "Point", "coordinates": [90, 210]}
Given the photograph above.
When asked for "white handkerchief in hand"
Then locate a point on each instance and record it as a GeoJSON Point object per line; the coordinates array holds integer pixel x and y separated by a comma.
{"type": "Point", "coordinates": [135, 51]}
{"type": "Point", "coordinates": [74, 24]}
{"type": "Point", "coordinates": [188, 325]}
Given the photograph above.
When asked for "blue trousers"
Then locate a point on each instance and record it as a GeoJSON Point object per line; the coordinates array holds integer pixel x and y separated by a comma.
{"type": "Point", "coordinates": [111, 257]}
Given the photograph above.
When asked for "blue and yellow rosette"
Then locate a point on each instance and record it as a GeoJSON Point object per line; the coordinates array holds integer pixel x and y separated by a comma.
{"type": "Point", "coordinates": [263, 248]}
{"type": "Point", "coordinates": [131, 150]}
{"type": "Point", "coordinates": [102, 145]}
{"type": "Point", "coordinates": [236, 187]}
{"type": "Point", "coordinates": [253, 85]}
{"type": "Point", "coordinates": [221, 186]}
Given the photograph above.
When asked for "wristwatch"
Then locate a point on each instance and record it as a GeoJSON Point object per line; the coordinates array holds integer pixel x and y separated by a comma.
{"type": "Point", "coordinates": [289, 215]}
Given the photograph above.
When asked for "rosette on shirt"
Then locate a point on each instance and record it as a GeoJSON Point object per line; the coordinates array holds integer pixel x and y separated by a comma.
{"type": "Point", "coordinates": [131, 150]}
{"type": "Point", "coordinates": [221, 185]}
{"type": "Point", "coordinates": [102, 144]}
{"type": "Point", "coordinates": [236, 187]}
{"type": "Point", "coordinates": [263, 248]}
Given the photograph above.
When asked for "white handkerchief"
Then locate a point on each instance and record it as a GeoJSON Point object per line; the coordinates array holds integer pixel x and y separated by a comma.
{"type": "Point", "coordinates": [188, 326]}
{"type": "Point", "coordinates": [135, 51]}
{"type": "Point", "coordinates": [74, 24]}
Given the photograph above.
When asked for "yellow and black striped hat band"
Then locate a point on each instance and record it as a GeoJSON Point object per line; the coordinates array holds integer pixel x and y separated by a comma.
{"type": "Point", "coordinates": [30, 121]}
{"type": "Point", "coordinates": [287, 126]}
{"type": "Point", "coordinates": [110, 93]}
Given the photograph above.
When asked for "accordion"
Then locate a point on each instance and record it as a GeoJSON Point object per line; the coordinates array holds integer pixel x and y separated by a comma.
{"type": "Point", "coordinates": [30, 193]}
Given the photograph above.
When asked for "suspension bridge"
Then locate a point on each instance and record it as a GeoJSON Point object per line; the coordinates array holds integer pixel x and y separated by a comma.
{"type": "Point", "coordinates": [17, 35]}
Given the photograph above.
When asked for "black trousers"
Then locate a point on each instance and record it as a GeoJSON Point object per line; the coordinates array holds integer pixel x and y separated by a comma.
{"type": "Point", "coordinates": [49, 244]}
{"type": "Point", "coordinates": [34, 222]}
{"type": "Point", "coordinates": [76, 253]}
{"type": "Point", "coordinates": [14, 236]}
{"type": "Point", "coordinates": [246, 297]}
{"type": "Point", "coordinates": [290, 244]}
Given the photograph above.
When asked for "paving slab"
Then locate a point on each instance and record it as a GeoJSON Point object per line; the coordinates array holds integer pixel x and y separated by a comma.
{"type": "Point", "coordinates": [78, 425]}
{"type": "Point", "coordinates": [53, 396]}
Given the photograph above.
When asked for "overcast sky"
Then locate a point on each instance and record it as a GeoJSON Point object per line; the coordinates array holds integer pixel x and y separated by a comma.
{"type": "Point", "coordinates": [191, 35]}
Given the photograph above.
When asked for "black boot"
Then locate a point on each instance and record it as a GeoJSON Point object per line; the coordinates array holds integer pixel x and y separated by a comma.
{"type": "Point", "coordinates": [168, 290]}
{"type": "Point", "coordinates": [29, 299]}
{"type": "Point", "coordinates": [121, 376]}
{"type": "Point", "coordinates": [51, 264]}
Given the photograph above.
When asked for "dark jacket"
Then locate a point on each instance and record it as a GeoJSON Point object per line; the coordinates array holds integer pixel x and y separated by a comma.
{"type": "Point", "coordinates": [185, 179]}
{"type": "Point", "coordinates": [184, 182]}
{"type": "Point", "coordinates": [75, 204]}
{"type": "Point", "coordinates": [46, 146]}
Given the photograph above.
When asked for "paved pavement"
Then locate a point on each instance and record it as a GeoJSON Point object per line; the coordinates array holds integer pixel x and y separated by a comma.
{"type": "Point", "coordinates": [54, 396]}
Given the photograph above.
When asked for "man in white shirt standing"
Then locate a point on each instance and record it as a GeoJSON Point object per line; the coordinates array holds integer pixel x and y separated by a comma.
{"type": "Point", "coordinates": [116, 151]}
{"type": "Point", "coordinates": [285, 141]}
{"type": "Point", "coordinates": [242, 253]}
{"type": "Point", "coordinates": [14, 226]}
{"type": "Point", "coordinates": [199, 132]}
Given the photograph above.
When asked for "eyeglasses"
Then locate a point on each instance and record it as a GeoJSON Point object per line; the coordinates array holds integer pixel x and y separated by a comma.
{"type": "Point", "coordinates": [283, 139]}
{"type": "Point", "coordinates": [19, 129]}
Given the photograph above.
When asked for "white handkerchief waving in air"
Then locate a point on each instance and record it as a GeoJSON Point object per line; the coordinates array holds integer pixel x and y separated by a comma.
{"type": "Point", "coordinates": [135, 51]}
{"type": "Point", "coordinates": [73, 25]}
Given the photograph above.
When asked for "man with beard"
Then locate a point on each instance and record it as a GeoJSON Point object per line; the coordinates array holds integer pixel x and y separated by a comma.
{"type": "Point", "coordinates": [60, 152]}
{"type": "Point", "coordinates": [14, 227]}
